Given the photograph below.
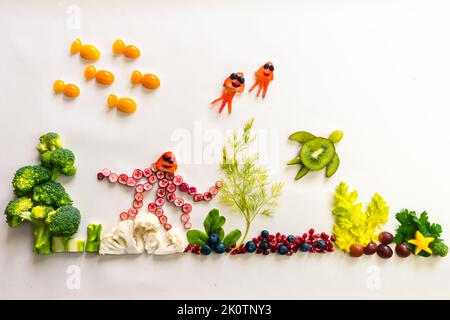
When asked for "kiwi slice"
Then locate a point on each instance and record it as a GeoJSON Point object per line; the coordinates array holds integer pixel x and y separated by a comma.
{"type": "Point", "coordinates": [302, 172]}
{"type": "Point", "coordinates": [301, 136]}
{"type": "Point", "coordinates": [332, 166]}
{"type": "Point", "coordinates": [296, 160]}
{"type": "Point", "coordinates": [317, 153]}
{"type": "Point", "coordinates": [336, 136]}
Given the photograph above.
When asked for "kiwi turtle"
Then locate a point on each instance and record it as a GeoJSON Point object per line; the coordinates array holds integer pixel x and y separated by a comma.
{"type": "Point", "coordinates": [316, 153]}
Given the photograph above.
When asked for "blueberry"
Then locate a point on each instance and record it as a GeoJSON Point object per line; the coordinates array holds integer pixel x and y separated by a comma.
{"type": "Point", "coordinates": [264, 245]}
{"type": "Point", "coordinates": [305, 247]}
{"type": "Point", "coordinates": [220, 248]}
{"type": "Point", "coordinates": [265, 234]}
{"type": "Point", "coordinates": [206, 249]}
{"type": "Point", "coordinates": [321, 244]}
{"type": "Point", "coordinates": [213, 239]}
{"type": "Point", "coordinates": [250, 246]}
{"type": "Point", "coordinates": [290, 238]}
{"type": "Point", "coordinates": [283, 249]}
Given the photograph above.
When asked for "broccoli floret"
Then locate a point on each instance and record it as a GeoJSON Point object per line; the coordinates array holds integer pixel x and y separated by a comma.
{"type": "Point", "coordinates": [60, 161]}
{"type": "Point", "coordinates": [440, 248]}
{"type": "Point", "coordinates": [41, 212]}
{"type": "Point", "coordinates": [51, 194]}
{"type": "Point", "coordinates": [49, 141]}
{"type": "Point", "coordinates": [18, 210]}
{"type": "Point", "coordinates": [63, 222]}
{"type": "Point", "coordinates": [94, 232]}
{"type": "Point", "coordinates": [26, 178]}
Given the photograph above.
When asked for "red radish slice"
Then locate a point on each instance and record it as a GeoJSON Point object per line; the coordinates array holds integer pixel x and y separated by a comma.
{"type": "Point", "coordinates": [132, 212]}
{"type": "Point", "coordinates": [198, 197]}
{"type": "Point", "coordinates": [177, 180]}
{"type": "Point", "coordinates": [163, 219]}
{"type": "Point", "coordinates": [213, 190]}
{"type": "Point", "coordinates": [169, 175]}
{"type": "Point", "coordinates": [179, 201]}
{"type": "Point", "coordinates": [163, 183]}
{"type": "Point", "coordinates": [153, 167]}
{"type": "Point", "coordinates": [161, 192]}
{"type": "Point", "coordinates": [123, 178]}
{"type": "Point", "coordinates": [171, 197]}
{"type": "Point", "coordinates": [171, 187]}
{"type": "Point", "coordinates": [106, 172]}
{"type": "Point", "coordinates": [151, 206]}
{"type": "Point", "coordinates": [219, 184]}
{"type": "Point", "coordinates": [188, 225]}
{"type": "Point", "coordinates": [192, 190]}
{"type": "Point", "coordinates": [152, 179]}
{"type": "Point", "coordinates": [184, 187]}
{"type": "Point", "coordinates": [124, 216]}
{"type": "Point", "coordinates": [138, 174]}
{"type": "Point", "coordinates": [159, 202]}
{"type": "Point", "coordinates": [139, 188]}
{"type": "Point", "coordinates": [167, 226]}
{"type": "Point", "coordinates": [160, 175]}
{"type": "Point", "coordinates": [147, 172]}
{"type": "Point", "coordinates": [148, 186]}
{"type": "Point", "coordinates": [137, 204]}
{"type": "Point", "coordinates": [187, 207]}
{"type": "Point", "coordinates": [159, 212]}
{"type": "Point", "coordinates": [207, 196]}
{"type": "Point", "coordinates": [185, 217]}
{"type": "Point", "coordinates": [138, 196]}
{"type": "Point", "coordinates": [113, 178]}
{"type": "Point", "coordinates": [131, 182]}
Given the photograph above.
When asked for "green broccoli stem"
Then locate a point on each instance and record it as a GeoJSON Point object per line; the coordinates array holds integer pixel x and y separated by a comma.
{"type": "Point", "coordinates": [42, 238]}
{"type": "Point", "coordinates": [55, 174]}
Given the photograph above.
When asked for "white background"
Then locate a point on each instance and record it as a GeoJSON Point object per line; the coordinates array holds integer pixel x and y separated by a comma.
{"type": "Point", "coordinates": [378, 70]}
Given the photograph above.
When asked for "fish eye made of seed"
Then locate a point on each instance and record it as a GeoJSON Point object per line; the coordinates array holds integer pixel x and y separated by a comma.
{"type": "Point", "coordinates": [162, 175]}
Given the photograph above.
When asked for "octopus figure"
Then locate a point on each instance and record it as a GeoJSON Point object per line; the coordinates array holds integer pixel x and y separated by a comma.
{"type": "Point", "coordinates": [263, 77]}
{"type": "Point", "coordinates": [161, 173]}
{"type": "Point", "coordinates": [235, 83]}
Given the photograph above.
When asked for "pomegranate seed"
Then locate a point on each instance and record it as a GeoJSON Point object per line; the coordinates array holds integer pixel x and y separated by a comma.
{"type": "Point", "coordinates": [113, 178]}
{"type": "Point", "coordinates": [167, 226]}
{"type": "Point", "coordinates": [228, 250]}
{"type": "Point", "coordinates": [137, 204]}
{"type": "Point", "coordinates": [163, 219]}
{"type": "Point", "coordinates": [304, 236]}
{"type": "Point", "coordinates": [169, 176]}
{"type": "Point", "coordinates": [131, 182]}
{"type": "Point", "coordinates": [153, 167]}
{"type": "Point", "coordinates": [185, 217]}
{"type": "Point", "coordinates": [138, 196]}
{"type": "Point", "coordinates": [187, 207]}
{"type": "Point", "coordinates": [311, 231]}
{"type": "Point", "coordinates": [147, 172]}
{"type": "Point", "coordinates": [213, 190]}
{"type": "Point", "coordinates": [184, 187]}
{"type": "Point", "coordinates": [161, 192]}
{"type": "Point", "coordinates": [266, 253]}
{"type": "Point", "coordinates": [198, 197]}
{"type": "Point", "coordinates": [259, 251]}
{"type": "Point", "coordinates": [139, 188]}
{"type": "Point", "coordinates": [289, 253]}
{"type": "Point", "coordinates": [124, 216]}
{"type": "Point", "coordinates": [179, 201]}
{"type": "Point", "coordinates": [177, 180]}
{"type": "Point", "coordinates": [138, 174]}
{"type": "Point", "coordinates": [171, 197]}
{"type": "Point", "coordinates": [196, 246]}
{"type": "Point", "coordinates": [132, 212]}
{"type": "Point", "coordinates": [106, 172]}
{"type": "Point", "coordinates": [233, 252]}
{"type": "Point", "coordinates": [254, 239]}
{"type": "Point", "coordinates": [171, 187]}
{"type": "Point", "coordinates": [159, 202]}
{"type": "Point", "coordinates": [152, 179]}
{"type": "Point", "coordinates": [159, 212]}
{"type": "Point", "coordinates": [160, 175]}
{"type": "Point", "coordinates": [271, 237]}
{"type": "Point", "coordinates": [151, 206]}
{"type": "Point", "coordinates": [100, 176]}
{"type": "Point", "coordinates": [163, 183]}
{"type": "Point", "coordinates": [188, 225]}
{"type": "Point", "coordinates": [219, 184]}
{"type": "Point", "coordinates": [148, 186]}
{"type": "Point", "coordinates": [192, 190]}
{"type": "Point", "coordinates": [273, 250]}
{"type": "Point", "coordinates": [333, 238]}
{"type": "Point", "coordinates": [207, 196]}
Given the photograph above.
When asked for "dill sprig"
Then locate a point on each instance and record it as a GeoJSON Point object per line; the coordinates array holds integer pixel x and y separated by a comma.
{"type": "Point", "coordinates": [246, 186]}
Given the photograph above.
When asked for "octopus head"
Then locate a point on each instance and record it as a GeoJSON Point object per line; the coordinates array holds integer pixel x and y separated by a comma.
{"type": "Point", "coordinates": [266, 70]}
{"type": "Point", "coordinates": [167, 162]}
{"type": "Point", "coordinates": [235, 81]}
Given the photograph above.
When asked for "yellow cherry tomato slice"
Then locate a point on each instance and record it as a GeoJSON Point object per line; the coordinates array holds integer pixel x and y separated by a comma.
{"type": "Point", "coordinates": [131, 52]}
{"type": "Point", "coordinates": [150, 81]}
{"type": "Point", "coordinates": [71, 90]}
{"type": "Point", "coordinates": [104, 77]}
{"type": "Point", "coordinates": [126, 105]}
{"type": "Point", "coordinates": [89, 52]}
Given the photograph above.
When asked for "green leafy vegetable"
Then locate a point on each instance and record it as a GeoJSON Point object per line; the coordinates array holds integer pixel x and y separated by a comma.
{"type": "Point", "coordinates": [197, 237]}
{"type": "Point", "coordinates": [246, 186]}
{"type": "Point", "coordinates": [232, 238]}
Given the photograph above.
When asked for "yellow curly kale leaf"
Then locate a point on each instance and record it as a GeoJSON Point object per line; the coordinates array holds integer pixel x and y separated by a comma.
{"type": "Point", "coordinates": [352, 225]}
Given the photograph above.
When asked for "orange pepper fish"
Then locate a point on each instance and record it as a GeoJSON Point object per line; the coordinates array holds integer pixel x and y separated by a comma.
{"type": "Point", "coordinates": [167, 162]}
{"type": "Point", "coordinates": [263, 77]}
{"type": "Point", "coordinates": [87, 51]}
{"type": "Point", "coordinates": [101, 76]}
{"type": "Point", "coordinates": [69, 90]}
{"type": "Point", "coordinates": [128, 51]}
{"type": "Point", "coordinates": [126, 105]}
{"type": "Point", "coordinates": [234, 83]}
{"type": "Point", "coordinates": [150, 81]}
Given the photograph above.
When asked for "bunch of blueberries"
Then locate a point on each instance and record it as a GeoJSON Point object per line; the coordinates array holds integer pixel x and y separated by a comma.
{"type": "Point", "coordinates": [213, 244]}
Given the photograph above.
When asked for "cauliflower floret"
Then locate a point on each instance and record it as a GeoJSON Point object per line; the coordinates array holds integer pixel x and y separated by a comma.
{"type": "Point", "coordinates": [121, 240]}
{"type": "Point", "coordinates": [171, 243]}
